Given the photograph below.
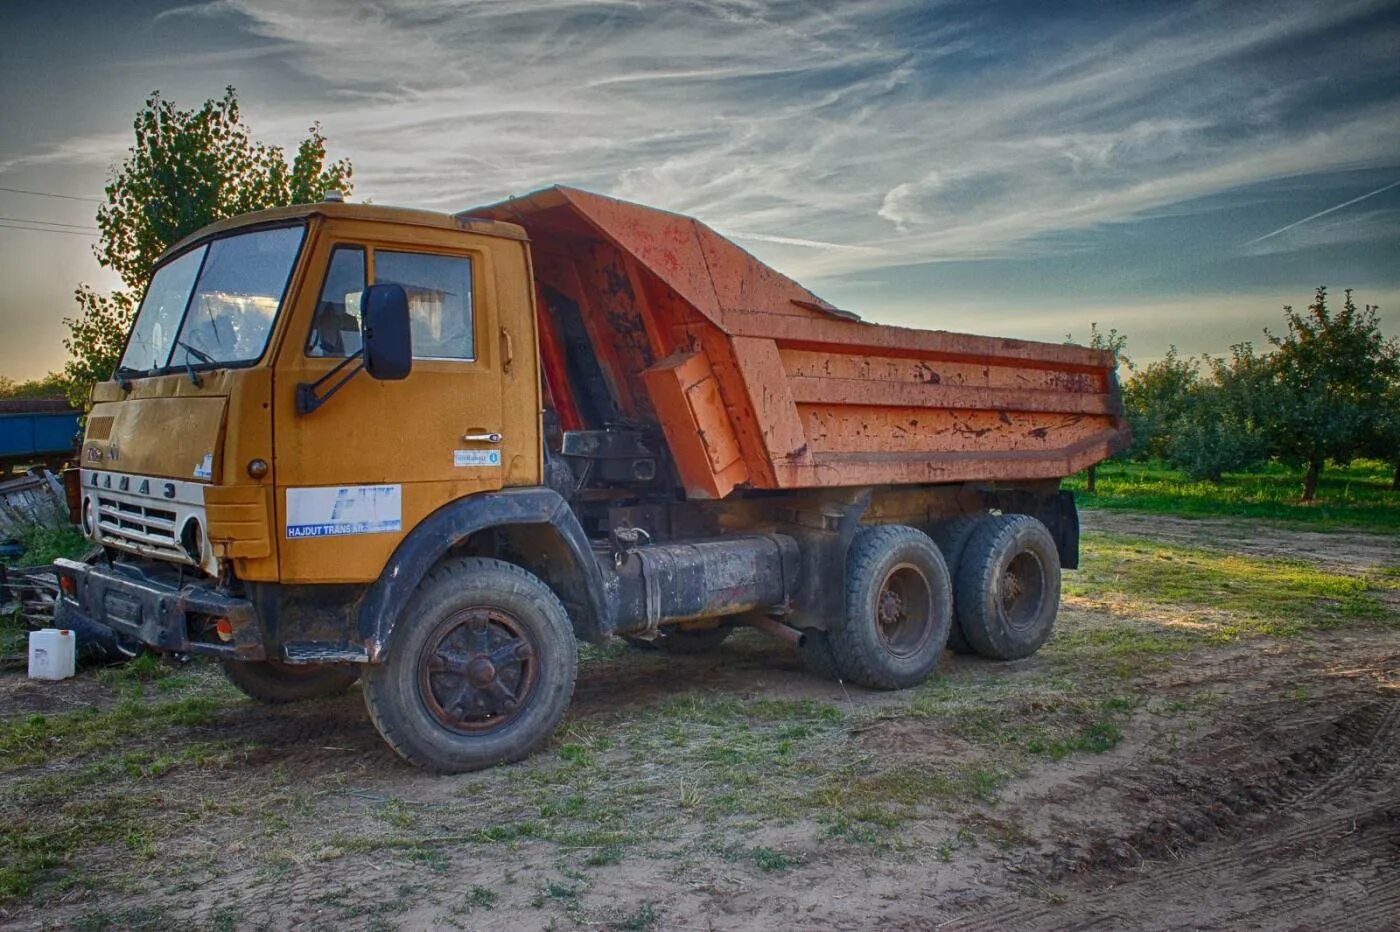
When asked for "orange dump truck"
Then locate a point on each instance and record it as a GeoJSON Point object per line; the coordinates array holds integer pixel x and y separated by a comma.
{"type": "Point", "coordinates": [431, 452]}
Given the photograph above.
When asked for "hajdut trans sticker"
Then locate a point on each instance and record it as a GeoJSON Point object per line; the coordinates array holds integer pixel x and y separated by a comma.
{"type": "Point", "coordinates": [336, 512]}
{"type": "Point", "coordinates": [205, 470]}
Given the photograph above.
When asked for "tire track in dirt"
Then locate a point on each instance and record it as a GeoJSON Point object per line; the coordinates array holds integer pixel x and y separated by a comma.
{"type": "Point", "coordinates": [1357, 756]}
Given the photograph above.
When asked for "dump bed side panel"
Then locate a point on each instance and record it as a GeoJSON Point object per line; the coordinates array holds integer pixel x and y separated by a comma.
{"type": "Point", "coordinates": [755, 381]}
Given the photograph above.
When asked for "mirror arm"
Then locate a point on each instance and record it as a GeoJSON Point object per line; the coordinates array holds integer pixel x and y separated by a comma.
{"type": "Point", "coordinates": [307, 398]}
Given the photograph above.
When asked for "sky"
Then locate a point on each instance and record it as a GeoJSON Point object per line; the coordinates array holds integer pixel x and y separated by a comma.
{"type": "Point", "coordinates": [1178, 171]}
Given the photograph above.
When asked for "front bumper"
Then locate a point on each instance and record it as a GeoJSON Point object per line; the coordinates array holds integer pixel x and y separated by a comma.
{"type": "Point", "coordinates": [166, 617]}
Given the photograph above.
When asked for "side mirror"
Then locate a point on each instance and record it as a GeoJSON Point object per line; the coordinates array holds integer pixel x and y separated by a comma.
{"type": "Point", "coordinates": [388, 340]}
{"type": "Point", "coordinates": [386, 351]}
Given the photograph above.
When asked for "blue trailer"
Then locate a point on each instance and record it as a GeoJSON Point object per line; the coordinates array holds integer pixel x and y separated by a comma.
{"type": "Point", "coordinates": [37, 431]}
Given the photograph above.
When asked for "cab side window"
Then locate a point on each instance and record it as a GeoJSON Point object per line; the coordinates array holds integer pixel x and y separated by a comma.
{"type": "Point", "coordinates": [335, 330]}
{"type": "Point", "coordinates": [439, 290]}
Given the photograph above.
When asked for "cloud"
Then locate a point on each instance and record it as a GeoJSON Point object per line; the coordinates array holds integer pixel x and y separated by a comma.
{"type": "Point", "coordinates": [840, 138]}
{"type": "Point", "coordinates": [100, 149]}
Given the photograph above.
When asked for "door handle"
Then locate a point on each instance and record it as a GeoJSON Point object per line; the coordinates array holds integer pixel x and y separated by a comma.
{"type": "Point", "coordinates": [484, 438]}
{"type": "Point", "coordinates": [507, 351]}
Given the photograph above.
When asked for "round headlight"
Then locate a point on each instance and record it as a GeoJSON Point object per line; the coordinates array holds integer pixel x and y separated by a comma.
{"type": "Point", "coordinates": [89, 518]}
{"type": "Point", "coordinates": [192, 540]}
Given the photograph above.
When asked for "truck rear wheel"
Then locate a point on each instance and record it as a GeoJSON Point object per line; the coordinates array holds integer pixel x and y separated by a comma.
{"type": "Point", "coordinates": [899, 605]}
{"type": "Point", "coordinates": [952, 537]}
{"type": "Point", "coordinates": [1008, 587]}
{"type": "Point", "coordinates": [481, 669]}
{"type": "Point", "coordinates": [278, 683]}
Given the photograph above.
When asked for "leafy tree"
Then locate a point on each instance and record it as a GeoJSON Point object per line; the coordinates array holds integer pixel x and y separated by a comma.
{"type": "Point", "coordinates": [188, 168]}
{"type": "Point", "coordinates": [95, 339]}
{"type": "Point", "coordinates": [50, 386]}
{"type": "Point", "coordinates": [1385, 443]}
{"type": "Point", "coordinates": [1218, 424]}
{"type": "Point", "coordinates": [1156, 398]}
{"type": "Point", "coordinates": [1332, 370]}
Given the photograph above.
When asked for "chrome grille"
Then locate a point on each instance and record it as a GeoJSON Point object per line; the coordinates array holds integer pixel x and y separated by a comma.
{"type": "Point", "coordinates": [140, 528]}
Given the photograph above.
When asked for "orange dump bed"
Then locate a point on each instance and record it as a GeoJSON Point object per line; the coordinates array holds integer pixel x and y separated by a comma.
{"type": "Point", "coordinates": [757, 382]}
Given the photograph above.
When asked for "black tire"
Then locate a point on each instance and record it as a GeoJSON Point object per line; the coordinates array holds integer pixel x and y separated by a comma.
{"type": "Point", "coordinates": [817, 656]}
{"type": "Point", "coordinates": [480, 671]}
{"type": "Point", "coordinates": [899, 605]}
{"type": "Point", "coordinates": [1008, 587]}
{"type": "Point", "coordinates": [951, 537]}
{"type": "Point", "coordinates": [277, 683]}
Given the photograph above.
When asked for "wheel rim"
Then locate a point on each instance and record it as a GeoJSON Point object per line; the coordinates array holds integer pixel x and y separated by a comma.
{"type": "Point", "coordinates": [1022, 590]}
{"type": "Point", "coordinates": [477, 671]}
{"type": "Point", "coordinates": [904, 610]}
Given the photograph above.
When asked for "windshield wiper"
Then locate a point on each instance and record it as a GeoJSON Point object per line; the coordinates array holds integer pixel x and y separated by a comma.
{"type": "Point", "coordinates": [198, 354]}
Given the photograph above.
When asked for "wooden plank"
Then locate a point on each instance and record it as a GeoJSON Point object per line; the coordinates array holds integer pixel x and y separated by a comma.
{"type": "Point", "coordinates": [925, 395]}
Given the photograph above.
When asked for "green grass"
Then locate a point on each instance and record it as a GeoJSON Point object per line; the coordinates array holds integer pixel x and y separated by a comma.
{"type": "Point", "coordinates": [44, 544]}
{"type": "Point", "coordinates": [49, 821]}
{"type": "Point", "coordinates": [1357, 496]}
{"type": "Point", "coordinates": [37, 739]}
{"type": "Point", "coordinates": [14, 635]}
{"type": "Point", "coordinates": [690, 771]}
{"type": "Point", "coordinates": [1246, 595]}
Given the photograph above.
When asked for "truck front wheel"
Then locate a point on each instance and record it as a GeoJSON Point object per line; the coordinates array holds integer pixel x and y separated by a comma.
{"type": "Point", "coordinates": [480, 671]}
{"type": "Point", "coordinates": [280, 683]}
{"type": "Point", "coordinates": [899, 605]}
{"type": "Point", "coordinates": [1008, 587]}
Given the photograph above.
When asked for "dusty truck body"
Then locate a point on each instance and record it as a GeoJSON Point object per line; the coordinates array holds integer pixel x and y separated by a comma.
{"type": "Point", "coordinates": [577, 418]}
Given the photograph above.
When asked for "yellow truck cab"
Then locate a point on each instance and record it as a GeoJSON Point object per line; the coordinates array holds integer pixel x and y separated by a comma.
{"type": "Point", "coordinates": [430, 451]}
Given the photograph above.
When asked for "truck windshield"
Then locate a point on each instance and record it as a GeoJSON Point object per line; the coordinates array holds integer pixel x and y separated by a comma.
{"type": "Point", "coordinates": [214, 305]}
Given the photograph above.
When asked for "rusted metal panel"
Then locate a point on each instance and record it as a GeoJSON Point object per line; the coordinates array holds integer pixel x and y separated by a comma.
{"type": "Point", "coordinates": [853, 429]}
{"type": "Point", "coordinates": [663, 242]}
{"type": "Point", "coordinates": [743, 285]}
{"type": "Point", "coordinates": [239, 519]}
{"type": "Point", "coordinates": [822, 332]}
{"type": "Point", "coordinates": [703, 445]}
{"type": "Point", "coordinates": [801, 364]}
{"type": "Point", "coordinates": [762, 383]}
{"type": "Point", "coordinates": [925, 395]}
{"type": "Point", "coordinates": [772, 397]}
{"type": "Point", "coordinates": [556, 369]}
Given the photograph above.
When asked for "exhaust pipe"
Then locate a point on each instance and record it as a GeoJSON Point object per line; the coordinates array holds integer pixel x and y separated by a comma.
{"type": "Point", "coordinates": [776, 628]}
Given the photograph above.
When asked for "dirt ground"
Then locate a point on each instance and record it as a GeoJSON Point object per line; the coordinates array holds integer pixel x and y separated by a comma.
{"type": "Point", "coordinates": [1108, 782]}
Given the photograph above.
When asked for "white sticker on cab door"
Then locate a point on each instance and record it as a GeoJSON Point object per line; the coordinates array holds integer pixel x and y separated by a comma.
{"type": "Point", "coordinates": [476, 457]}
{"type": "Point", "coordinates": [353, 509]}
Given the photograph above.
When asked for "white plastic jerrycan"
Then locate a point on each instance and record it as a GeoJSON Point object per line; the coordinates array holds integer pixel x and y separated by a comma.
{"type": "Point", "coordinates": [53, 654]}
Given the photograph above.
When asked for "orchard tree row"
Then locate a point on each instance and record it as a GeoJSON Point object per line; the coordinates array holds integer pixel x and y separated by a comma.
{"type": "Point", "coordinates": [1327, 389]}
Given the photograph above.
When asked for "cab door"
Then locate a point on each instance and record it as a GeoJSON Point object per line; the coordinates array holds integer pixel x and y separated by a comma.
{"type": "Point", "coordinates": [359, 472]}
